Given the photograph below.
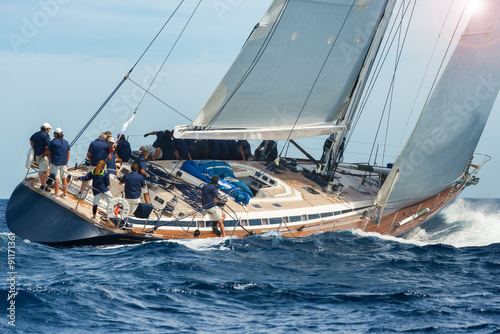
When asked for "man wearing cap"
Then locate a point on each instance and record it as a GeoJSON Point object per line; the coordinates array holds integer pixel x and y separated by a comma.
{"type": "Point", "coordinates": [39, 142]}
{"type": "Point", "coordinates": [59, 156]}
{"type": "Point", "coordinates": [209, 199]}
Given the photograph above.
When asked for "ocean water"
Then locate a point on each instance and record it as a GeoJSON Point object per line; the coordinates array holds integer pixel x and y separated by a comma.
{"type": "Point", "coordinates": [446, 279]}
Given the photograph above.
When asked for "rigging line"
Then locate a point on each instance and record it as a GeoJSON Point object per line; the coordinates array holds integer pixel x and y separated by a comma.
{"type": "Point", "coordinates": [168, 55]}
{"type": "Point", "coordinates": [426, 70]}
{"type": "Point", "coordinates": [98, 111]}
{"type": "Point", "coordinates": [435, 79]}
{"type": "Point", "coordinates": [400, 48]}
{"type": "Point", "coordinates": [159, 32]}
{"type": "Point", "coordinates": [319, 74]}
{"type": "Point", "coordinates": [259, 54]}
{"type": "Point", "coordinates": [121, 82]}
{"type": "Point", "coordinates": [391, 90]}
{"type": "Point", "coordinates": [157, 98]}
{"type": "Point", "coordinates": [378, 69]}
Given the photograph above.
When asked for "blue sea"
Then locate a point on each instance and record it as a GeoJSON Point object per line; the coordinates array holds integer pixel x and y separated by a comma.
{"type": "Point", "coordinates": [445, 279]}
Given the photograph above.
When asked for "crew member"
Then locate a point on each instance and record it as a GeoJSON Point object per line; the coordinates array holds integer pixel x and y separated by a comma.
{"type": "Point", "coordinates": [134, 187]}
{"type": "Point", "coordinates": [209, 199]}
{"type": "Point", "coordinates": [39, 142]}
{"type": "Point", "coordinates": [59, 154]}
{"type": "Point", "coordinates": [100, 185]}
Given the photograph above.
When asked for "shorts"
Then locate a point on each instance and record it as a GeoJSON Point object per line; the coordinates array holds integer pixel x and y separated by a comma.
{"type": "Point", "coordinates": [59, 171]}
{"type": "Point", "coordinates": [133, 203]}
{"type": "Point", "coordinates": [43, 163]}
{"type": "Point", "coordinates": [151, 149]}
{"type": "Point", "coordinates": [215, 213]}
{"type": "Point", "coordinates": [107, 196]}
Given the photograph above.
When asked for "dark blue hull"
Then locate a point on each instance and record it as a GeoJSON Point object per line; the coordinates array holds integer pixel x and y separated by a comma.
{"type": "Point", "coordinates": [33, 217]}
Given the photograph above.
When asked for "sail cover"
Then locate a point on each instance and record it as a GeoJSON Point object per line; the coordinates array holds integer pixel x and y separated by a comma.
{"type": "Point", "coordinates": [451, 124]}
{"type": "Point", "coordinates": [297, 69]}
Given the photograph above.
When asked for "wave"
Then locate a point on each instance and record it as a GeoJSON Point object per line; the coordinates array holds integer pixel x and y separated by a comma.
{"type": "Point", "coordinates": [465, 223]}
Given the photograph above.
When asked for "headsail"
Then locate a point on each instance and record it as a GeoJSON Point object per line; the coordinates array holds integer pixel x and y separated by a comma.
{"type": "Point", "coordinates": [296, 71]}
{"type": "Point", "coordinates": [454, 117]}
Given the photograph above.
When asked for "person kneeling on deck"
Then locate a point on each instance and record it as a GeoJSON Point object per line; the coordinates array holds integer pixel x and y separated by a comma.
{"type": "Point", "coordinates": [100, 185]}
{"type": "Point", "coordinates": [209, 199]}
{"type": "Point", "coordinates": [134, 187]}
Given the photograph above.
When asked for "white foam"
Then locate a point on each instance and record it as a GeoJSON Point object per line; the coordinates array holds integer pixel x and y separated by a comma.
{"type": "Point", "coordinates": [204, 244]}
{"type": "Point", "coordinates": [467, 223]}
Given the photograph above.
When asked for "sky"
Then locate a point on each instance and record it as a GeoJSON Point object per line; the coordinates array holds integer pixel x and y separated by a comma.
{"type": "Point", "coordinates": [60, 60]}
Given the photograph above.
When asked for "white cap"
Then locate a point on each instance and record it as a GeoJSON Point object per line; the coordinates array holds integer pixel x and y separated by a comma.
{"type": "Point", "coordinates": [111, 140]}
{"type": "Point", "coordinates": [58, 130]}
{"type": "Point", "coordinates": [47, 126]}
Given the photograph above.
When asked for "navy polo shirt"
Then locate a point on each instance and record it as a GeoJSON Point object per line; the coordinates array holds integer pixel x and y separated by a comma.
{"type": "Point", "coordinates": [133, 185]}
{"type": "Point", "coordinates": [224, 150]}
{"type": "Point", "coordinates": [100, 182]}
{"type": "Point", "coordinates": [142, 164]}
{"type": "Point", "coordinates": [59, 149]}
{"type": "Point", "coordinates": [213, 149]}
{"type": "Point", "coordinates": [41, 141]}
{"type": "Point", "coordinates": [123, 150]}
{"type": "Point", "coordinates": [193, 148]}
{"type": "Point", "coordinates": [234, 150]}
{"type": "Point", "coordinates": [208, 193]}
{"type": "Point", "coordinates": [99, 150]}
{"type": "Point", "coordinates": [111, 165]}
{"type": "Point", "coordinates": [246, 148]}
{"type": "Point", "coordinates": [182, 148]}
{"type": "Point", "coordinates": [166, 144]}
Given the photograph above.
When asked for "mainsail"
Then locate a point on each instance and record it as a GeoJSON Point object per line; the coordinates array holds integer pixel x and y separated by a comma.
{"type": "Point", "coordinates": [297, 71]}
{"type": "Point", "coordinates": [450, 126]}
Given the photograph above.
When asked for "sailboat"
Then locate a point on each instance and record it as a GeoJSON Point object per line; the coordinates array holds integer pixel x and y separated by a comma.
{"type": "Point", "coordinates": [302, 72]}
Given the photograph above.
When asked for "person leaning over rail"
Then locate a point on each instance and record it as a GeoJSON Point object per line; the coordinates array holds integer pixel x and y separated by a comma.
{"type": "Point", "coordinates": [39, 142]}
{"type": "Point", "coordinates": [100, 185]}
{"type": "Point", "coordinates": [141, 162]}
{"type": "Point", "coordinates": [134, 187]}
{"type": "Point", "coordinates": [209, 199]}
{"type": "Point", "coordinates": [59, 153]}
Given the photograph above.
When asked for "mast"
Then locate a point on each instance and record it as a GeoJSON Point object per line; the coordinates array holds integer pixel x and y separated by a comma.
{"type": "Point", "coordinates": [335, 144]}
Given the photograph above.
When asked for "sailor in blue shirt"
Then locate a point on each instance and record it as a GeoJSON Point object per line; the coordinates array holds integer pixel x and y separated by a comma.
{"type": "Point", "coordinates": [209, 199]}
{"type": "Point", "coordinates": [213, 149]}
{"type": "Point", "coordinates": [234, 150]}
{"type": "Point", "coordinates": [134, 187]}
{"type": "Point", "coordinates": [141, 162]}
{"type": "Point", "coordinates": [163, 147]}
{"type": "Point", "coordinates": [245, 149]}
{"type": "Point", "coordinates": [100, 184]}
{"type": "Point", "coordinates": [123, 150]}
{"type": "Point", "coordinates": [59, 154]}
{"type": "Point", "coordinates": [193, 148]}
{"type": "Point", "coordinates": [224, 150]}
{"type": "Point", "coordinates": [182, 149]}
{"type": "Point", "coordinates": [39, 142]}
{"type": "Point", "coordinates": [98, 150]}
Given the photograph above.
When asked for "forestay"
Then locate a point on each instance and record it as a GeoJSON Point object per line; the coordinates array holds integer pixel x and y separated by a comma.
{"type": "Point", "coordinates": [296, 71]}
{"type": "Point", "coordinates": [451, 124]}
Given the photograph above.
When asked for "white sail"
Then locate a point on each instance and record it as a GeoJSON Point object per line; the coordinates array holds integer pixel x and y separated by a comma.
{"type": "Point", "coordinates": [296, 72]}
{"type": "Point", "coordinates": [451, 124]}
